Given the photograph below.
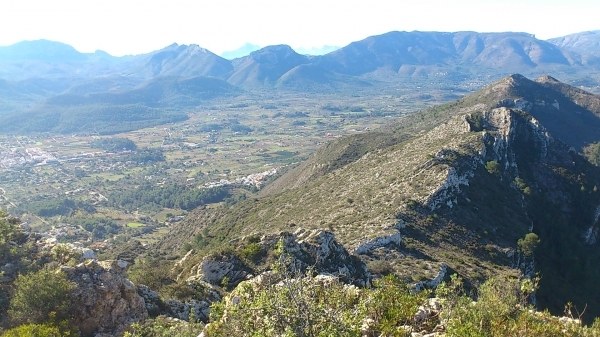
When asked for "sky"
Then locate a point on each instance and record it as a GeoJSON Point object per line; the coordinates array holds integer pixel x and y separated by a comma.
{"type": "Point", "coordinates": [125, 27]}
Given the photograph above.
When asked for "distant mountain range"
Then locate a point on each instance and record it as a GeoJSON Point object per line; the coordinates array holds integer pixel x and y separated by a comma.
{"type": "Point", "coordinates": [32, 73]}
{"type": "Point", "coordinates": [398, 53]}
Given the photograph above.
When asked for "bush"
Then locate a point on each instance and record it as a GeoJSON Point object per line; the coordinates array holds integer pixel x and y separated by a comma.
{"type": "Point", "coordinates": [528, 244]}
{"type": "Point", "coordinates": [501, 310]}
{"type": "Point", "coordinates": [164, 327]}
{"type": "Point", "coordinates": [592, 153]}
{"type": "Point", "coordinates": [36, 330]}
{"type": "Point", "coordinates": [251, 251]}
{"type": "Point", "coordinates": [295, 307]}
{"type": "Point", "coordinates": [391, 304]}
{"type": "Point", "coordinates": [40, 297]}
{"type": "Point", "coordinates": [492, 167]}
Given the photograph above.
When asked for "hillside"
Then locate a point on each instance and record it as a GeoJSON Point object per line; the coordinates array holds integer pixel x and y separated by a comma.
{"type": "Point", "coordinates": [81, 110]}
{"type": "Point", "coordinates": [395, 51]}
{"type": "Point", "coordinates": [457, 185]}
{"type": "Point", "coordinates": [265, 66]}
{"type": "Point", "coordinates": [585, 44]}
{"type": "Point", "coordinates": [187, 61]}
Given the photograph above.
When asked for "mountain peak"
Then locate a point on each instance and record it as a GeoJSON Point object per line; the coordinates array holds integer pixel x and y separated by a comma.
{"type": "Point", "coordinates": [516, 79]}
{"type": "Point", "coordinates": [547, 79]}
{"type": "Point", "coordinates": [569, 113]}
{"type": "Point", "coordinates": [280, 51]}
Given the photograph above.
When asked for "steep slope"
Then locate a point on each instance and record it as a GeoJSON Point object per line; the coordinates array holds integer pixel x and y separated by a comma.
{"type": "Point", "coordinates": [569, 113]}
{"type": "Point", "coordinates": [585, 44]}
{"type": "Point", "coordinates": [187, 61]}
{"type": "Point", "coordinates": [452, 188]}
{"type": "Point", "coordinates": [265, 66]}
{"type": "Point", "coordinates": [396, 51]}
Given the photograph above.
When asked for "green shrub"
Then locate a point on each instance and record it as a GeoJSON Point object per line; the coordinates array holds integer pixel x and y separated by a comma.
{"type": "Point", "coordinates": [251, 251]}
{"type": "Point", "coordinates": [40, 297]}
{"type": "Point", "coordinates": [36, 330]}
{"type": "Point", "coordinates": [492, 167]}
{"type": "Point", "coordinates": [295, 307]}
{"type": "Point", "coordinates": [164, 327]}
{"type": "Point", "coordinates": [391, 304]}
{"type": "Point", "coordinates": [592, 153]}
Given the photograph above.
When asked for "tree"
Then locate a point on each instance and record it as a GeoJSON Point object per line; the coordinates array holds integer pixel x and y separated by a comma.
{"type": "Point", "coordinates": [528, 244]}
{"type": "Point", "coordinates": [592, 153]}
{"type": "Point", "coordinates": [40, 297]}
{"type": "Point", "coordinates": [492, 167]}
{"type": "Point", "coordinates": [8, 231]}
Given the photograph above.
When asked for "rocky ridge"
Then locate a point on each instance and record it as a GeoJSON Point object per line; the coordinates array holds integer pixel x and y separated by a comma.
{"type": "Point", "coordinates": [456, 186]}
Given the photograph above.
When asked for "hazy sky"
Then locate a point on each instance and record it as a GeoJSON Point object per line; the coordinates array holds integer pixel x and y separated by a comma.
{"type": "Point", "coordinates": [135, 26]}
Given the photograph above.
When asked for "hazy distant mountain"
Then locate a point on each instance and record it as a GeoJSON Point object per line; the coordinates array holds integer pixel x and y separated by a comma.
{"type": "Point", "coordinates": [391, 56]}
{"type": "Point", "coordinates": [43, 59]}
{"type": "Point", "coordinates": [395, 50]}
{"type": "Point", "coordinates": [265, 66]}
{"type": "Point", "coordinates": [585, 44]}
{"type": "Point", "coordinates": [36, 72]}
{"type": "Point", "coordinates": [187, 61]}
{"type": "Point", "coordinates": [242, 51]}
{"type": "Point", "coordinates": [161, 92]}
{"type": "Point", "coordinates": [41, 50]}
{"type": "Point", "coordinates": [317, 50]}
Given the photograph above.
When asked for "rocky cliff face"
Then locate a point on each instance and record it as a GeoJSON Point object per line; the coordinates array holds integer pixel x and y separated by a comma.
{"type": "Point", "coordinates": [107, 302]}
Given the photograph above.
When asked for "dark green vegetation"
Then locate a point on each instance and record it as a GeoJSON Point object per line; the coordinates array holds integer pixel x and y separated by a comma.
{"type": "Point", "coordinates": [147, 196]}
{"type": "Point", "coordinates": [34, 298]}
{"type": "Point", "coordinates": [115, 144]}
{"type": "Point", "coordinates": [40, 297]}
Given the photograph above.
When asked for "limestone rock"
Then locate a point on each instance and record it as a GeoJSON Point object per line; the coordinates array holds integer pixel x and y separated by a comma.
{"type": "Point", "coordinates": [200, 307]}
{"type": "Point", "coordinates": [215, 268]}
{"type": "Point", "coordinates": [106, 302]}
{"type": "Point", "coordinates": [320, 250]}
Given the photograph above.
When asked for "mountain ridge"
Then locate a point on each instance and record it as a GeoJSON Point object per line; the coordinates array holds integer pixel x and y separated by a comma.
{"type": "Point", "coordinates": [379, 62]}
{"type": "Point", "coordinates": [455, 185]}
{"type": "Point", "coordinates": [392, 50]}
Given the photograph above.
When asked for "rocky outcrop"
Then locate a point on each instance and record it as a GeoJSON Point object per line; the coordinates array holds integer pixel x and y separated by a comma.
{"type": "Point", "coordinates": [198, 308]}
{"type": "Point", "coordinates": [318, 249]}
{"type": "Point", "coordinates": [214, 269]}
{"type": "Point", "coordinates": [378, 242]}
{"type": "Point", "coordinates": [301, 250]}
{"type": "Point", "coordinates": [434, 282]}
{"type": "Point", "coordinates": [106, 302]}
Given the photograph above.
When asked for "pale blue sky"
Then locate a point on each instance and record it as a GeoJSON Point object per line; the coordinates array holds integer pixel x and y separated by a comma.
{"type": "Point", "coordinates": [138, 26]}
